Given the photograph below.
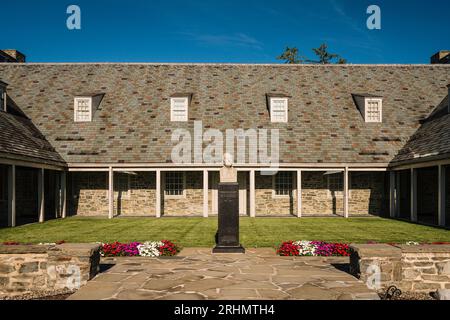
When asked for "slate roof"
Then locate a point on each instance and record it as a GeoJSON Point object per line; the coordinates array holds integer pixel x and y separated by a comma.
{"type": "Point", "coordinates": [20, 139]}
{"type": "Point", "coordinates": [431, 141]}
{"type": "Point", "coordinates": [132, 123]}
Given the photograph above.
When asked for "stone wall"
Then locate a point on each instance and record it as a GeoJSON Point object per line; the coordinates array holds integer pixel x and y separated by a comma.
{"type": "Point", "coordinates": [189, 205]}
{"type": "Point", "coordinates": [269, 205]}
{"type": "Point", "coordinates": [423, 268]}
{"type": "Point", "coordinates": [135, 195]}
{"type": "Point", "coordinates": [88, 193]}
{"type": "Point", "coordinates": [28, 268]}
{"type": "Point", "coordinates": [366, 193]}
{"type": "Point", "coordinates": [316, 196]}
{"type": "Point", "coordinates": [139, 199]}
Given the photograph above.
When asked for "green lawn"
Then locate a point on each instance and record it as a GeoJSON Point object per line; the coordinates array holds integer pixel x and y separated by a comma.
{"type": "Point", "coordinates": [199, 232]}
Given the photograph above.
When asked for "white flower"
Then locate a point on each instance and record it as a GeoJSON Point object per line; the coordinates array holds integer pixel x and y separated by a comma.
{"type": "Point", "coordinates": [305, 248]}
{"type": "Point", "coordinates": [150, 249]}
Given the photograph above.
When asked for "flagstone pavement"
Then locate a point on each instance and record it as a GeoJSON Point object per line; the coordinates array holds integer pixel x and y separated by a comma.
{"type": "Point", "coordinates": [197, 274]}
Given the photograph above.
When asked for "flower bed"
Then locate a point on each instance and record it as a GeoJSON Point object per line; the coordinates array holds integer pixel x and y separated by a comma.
{"type": "Point", "coordinates": [313, 248]}
{"type": "Point", "coordinates": [164, 248]}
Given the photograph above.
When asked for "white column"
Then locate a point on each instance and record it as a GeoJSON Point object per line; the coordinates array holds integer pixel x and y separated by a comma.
{"type": "Point", "coordinates": [413, 195]}
{"type": "Point", "coordinates": [12, 196]}
{"type": "Point", "coordinates": [205, 193]}
{"type": "Point", "coordinates": [111, 193]}
{"type": "Point", "coordinates": [392, 194]}
{"type": "Point", "coordinates": [441, 196]}
{"type": "Point", "coordinates": [299, 193]}
{"type": "Point", "coordinates": [63, 195]}
{"type": "Point", "coordinates": [41, 195]}
{"type": "Point", "coordinates": [346, 192]}
{"type": "Point", "coordinates": [158, 193]}
{"type": "Point", "coordinates": [252, 194]}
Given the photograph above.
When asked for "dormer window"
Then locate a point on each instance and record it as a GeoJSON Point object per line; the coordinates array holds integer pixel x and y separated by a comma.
{"type": "Point", "coordinates": [370, 106]}
{"type": "Point", "coordinates": [84, 106]}
{"type": "Point", "coordinates": [179, 108]}
{"type": "Point", "coordinates": [83, 109]}
{"type": "Point", "coordinates": [278, 109]}
{"type": "Point", "coordinates": [373, 110]}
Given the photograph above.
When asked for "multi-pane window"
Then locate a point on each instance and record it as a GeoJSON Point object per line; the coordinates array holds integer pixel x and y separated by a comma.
{"type": "Point", "coordinates": [283, 184]}
{"type": "Point", "coordinates": [373, 110]}
{"type": "Point", "coordinates": [83, 109]}
{"type": "Point", "coordinates": [174, 182]}
{"type": "Point", "coordinates": [179, 109]}
{"type": "Point", "coordinates": [279, 109]}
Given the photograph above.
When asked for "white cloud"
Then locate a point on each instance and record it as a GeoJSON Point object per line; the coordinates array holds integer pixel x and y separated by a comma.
{"type": "Point", "coordinates": [234, 40]}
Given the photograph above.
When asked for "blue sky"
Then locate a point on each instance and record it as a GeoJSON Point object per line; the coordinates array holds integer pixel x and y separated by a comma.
{"type": "Point", "coordinates": [238, 31]}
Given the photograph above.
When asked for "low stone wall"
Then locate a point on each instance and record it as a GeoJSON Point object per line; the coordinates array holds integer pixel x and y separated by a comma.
{"type": "Point", "coordinates": [28, 268]}
{"type": "Point", "coordinates": [423, 268]}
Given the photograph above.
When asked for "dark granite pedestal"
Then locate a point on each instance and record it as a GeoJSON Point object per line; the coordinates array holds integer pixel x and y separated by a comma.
{"type": "Point", "coordinates": [228, 232]}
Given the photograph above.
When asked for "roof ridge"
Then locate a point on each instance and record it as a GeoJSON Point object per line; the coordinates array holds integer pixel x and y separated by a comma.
{"type": "Point", "coordinates": [230, 64]}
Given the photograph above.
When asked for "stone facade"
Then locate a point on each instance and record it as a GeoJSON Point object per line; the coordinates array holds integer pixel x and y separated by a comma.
{"type": "Point", "coordinates": [367, 193]}
{"type": "Point", "coordinates": [267, 204]}
{"type": "Point", "coordinates": [135, 194]}
{"type": "Point", "coordinates": [317, 198]}
{"type": "Point", "coordinates": [88, 193]}
{"type": "Point", "coordinates": [410, 268]}
{"type": "Point", "coordinates": [46, 267]}
{"type": "Point", "coordinates": [191, 203]}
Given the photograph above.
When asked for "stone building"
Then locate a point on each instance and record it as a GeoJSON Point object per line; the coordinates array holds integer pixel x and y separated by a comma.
{"type": "Point", "coordinates": [96, 139]}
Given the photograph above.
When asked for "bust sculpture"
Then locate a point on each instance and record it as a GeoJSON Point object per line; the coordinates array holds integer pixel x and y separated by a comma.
{"type": "Point", "coordinates": [228, 173]}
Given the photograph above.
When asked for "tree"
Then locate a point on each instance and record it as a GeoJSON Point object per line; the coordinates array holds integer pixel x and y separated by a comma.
{"type": "Point", "coordinates": [324, 56]}
{"type": "Point", "coordinates": [291, 55]}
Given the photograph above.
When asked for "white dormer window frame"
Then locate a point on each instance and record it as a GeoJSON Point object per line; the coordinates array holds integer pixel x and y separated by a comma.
{"type": "Point", "coordinates": [277, 107]}
{"type": "Point", "coordinates": [373, 115]}
{"type": "Point", "coordinates": [179, 109]}
{"type": "Point", "coordinates": [82, 110]}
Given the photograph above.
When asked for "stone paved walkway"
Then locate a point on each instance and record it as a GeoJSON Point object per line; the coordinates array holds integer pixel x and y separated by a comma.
{"type": "Point", "coordinates": [198, 274]}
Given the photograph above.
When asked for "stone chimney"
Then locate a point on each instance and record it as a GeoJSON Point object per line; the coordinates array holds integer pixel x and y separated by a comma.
{"type": "Point", "coordinates": [16, 56]}
{"type": "Point", "coordinates": [442, 57]}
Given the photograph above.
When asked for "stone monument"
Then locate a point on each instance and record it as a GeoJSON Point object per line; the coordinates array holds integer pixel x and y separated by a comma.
{"type": "Point", "coordinates": [228, 231]}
